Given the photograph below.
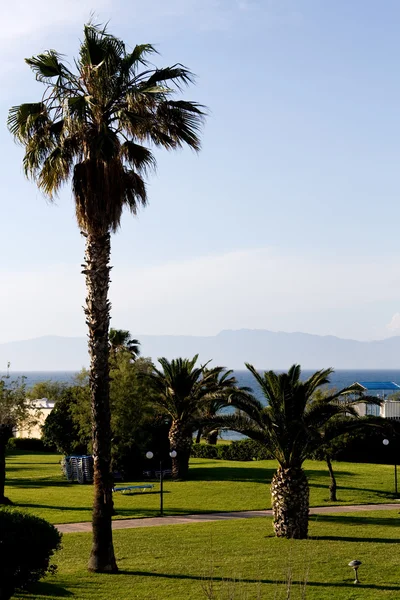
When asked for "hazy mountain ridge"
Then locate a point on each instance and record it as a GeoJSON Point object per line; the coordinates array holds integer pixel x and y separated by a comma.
{"type": "Point", "coordinates": [231, 348]}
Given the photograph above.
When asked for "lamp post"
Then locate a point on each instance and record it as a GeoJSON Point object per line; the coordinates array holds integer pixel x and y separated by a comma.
{"type": "Point", "coordinates": [150, 455]}
{"type": "Point", "coordinates": [385, 442]}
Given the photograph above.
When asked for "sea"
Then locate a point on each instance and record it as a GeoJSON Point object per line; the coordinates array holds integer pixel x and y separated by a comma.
{"type": "Point", "coordinates": [339, 379]}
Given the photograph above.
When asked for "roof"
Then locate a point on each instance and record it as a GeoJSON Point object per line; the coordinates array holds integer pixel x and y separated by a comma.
{"type": "Point", "coordinates": [379, 385]}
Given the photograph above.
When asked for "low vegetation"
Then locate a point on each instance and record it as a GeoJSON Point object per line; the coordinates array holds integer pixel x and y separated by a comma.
{"type": "Point", "coordinates": [36, 485]}
{"type": "Point", "coordinates": [182, 561]}
{"type": "Point", "coordinates": [27, 545]}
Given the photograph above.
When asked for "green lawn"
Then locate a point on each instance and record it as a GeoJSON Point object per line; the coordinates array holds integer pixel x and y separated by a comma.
{"type": "Point", "coordinates": [35, 484]}
{"type": "Point", "coordinates": [175, 562]}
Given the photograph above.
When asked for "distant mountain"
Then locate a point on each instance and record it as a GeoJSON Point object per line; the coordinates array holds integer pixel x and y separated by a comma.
{"type": "Point", "coordinates": [264, 349]}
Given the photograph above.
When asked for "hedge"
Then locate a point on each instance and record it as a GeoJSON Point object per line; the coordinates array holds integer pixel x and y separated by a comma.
{"type": "Point", "coordinates": [237, 450]}
{"type": "Point", "coordinates": [29, 445]}
{"type": "Point", "coordinates": [27, 544]}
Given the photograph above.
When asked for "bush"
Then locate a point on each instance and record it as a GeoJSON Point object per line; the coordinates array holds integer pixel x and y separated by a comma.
{"type": "Point", "coordinates": [27, 544]}
{"type": "Point", "coordinates": [244, 450]}
{"type": "Point", "coordinates": [205, 451]}
{"type": "Point", "coordinates": [237, 450]}
{"type": "Point", "coordinates": [28, 444]}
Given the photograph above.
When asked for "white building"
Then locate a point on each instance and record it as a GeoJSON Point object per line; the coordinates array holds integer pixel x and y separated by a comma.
{"type": "Point", "coordinates": [40, 410]}
{"type": "Point", "coordinates": [382, 390]}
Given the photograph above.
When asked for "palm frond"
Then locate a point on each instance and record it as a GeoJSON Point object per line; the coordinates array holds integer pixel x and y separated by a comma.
{"type": "Point", "coordinates": [94, 122]}
{"type": "Point", "coordinates": [139, 158]}
{"type": "Point", "coordinates": [46, 66]}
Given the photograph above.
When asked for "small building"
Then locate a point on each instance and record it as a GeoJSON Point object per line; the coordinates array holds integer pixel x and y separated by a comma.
{"type": "Point", "coordinates": [384, 391]}
{"type": "Point", "coordinates": [40, 410]}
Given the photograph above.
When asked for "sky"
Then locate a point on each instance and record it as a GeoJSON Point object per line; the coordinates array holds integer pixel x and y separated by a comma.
{"type": "Point", "coordinates": [289, 217]}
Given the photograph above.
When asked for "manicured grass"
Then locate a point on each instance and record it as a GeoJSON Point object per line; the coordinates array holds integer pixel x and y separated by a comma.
{"type": "Point", "coordinates": [35, 484]}
{"type": "Point", "coordinates": [175, 562]}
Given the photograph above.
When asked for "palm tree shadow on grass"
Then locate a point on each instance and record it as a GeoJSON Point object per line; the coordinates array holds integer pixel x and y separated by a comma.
{"type": "Point", "coordinates": [357, 520]}
{"type": "Point", "coordinates": [348, 583]}
{"type": "Point", "coordinates": [256, 475]}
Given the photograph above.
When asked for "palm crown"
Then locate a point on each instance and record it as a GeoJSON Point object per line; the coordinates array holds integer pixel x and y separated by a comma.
{"type": "Point", "coordinates": [293, 424]}
{"type": "Point", "coordinates": [121, 339]}
{"type": "Point", "coordinates": [183, 389]}
{"type": "Point", "coordinates": [91, 125]}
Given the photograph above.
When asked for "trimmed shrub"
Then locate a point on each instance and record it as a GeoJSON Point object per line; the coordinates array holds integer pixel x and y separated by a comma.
{"type": "Point", "coordinates": [237, 450]}
{"type": "Point", "coordinates": [244, 450]}
{"type": "Point", "coordinates": [27, 544]}
{"type": "Point", "coordinates": [205, 451]}
{"type": "Point", "coordinates": [28, 444]}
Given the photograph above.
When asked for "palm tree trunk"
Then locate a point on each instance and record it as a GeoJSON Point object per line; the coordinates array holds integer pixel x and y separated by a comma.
{"type": "Point", "coordinates": [181, 441]}
{"type": "Point", "coordinates": [332, 486]}
{"type": "Point", "coordinates": [290, 503]}
{"type": "Point", "coordinates": [199, 434]}
{"type": "Point", "coordinates": [97, 272]}
{"type": "Point", "coordinates": [5, 435]}
{"type": "Point", "coordinates": [212, 437]}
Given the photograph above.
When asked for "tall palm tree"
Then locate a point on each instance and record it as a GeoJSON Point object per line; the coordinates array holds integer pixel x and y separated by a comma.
{"type": "Point", "coordinates": [290, 427]}
{"type": "Point", "coordinates": [184, 392]}
{"type": "Point", "coordinates": [89, 127]}
{"type": "Point", "coordinates": [121, 339]}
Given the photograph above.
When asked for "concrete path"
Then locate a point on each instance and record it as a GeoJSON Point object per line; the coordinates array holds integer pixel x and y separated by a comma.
{"type": "Point", "coordinates": [219, 516]}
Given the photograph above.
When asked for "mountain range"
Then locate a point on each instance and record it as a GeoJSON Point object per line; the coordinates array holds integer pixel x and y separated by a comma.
{"type": "Point", "coordinates": [231, 348]}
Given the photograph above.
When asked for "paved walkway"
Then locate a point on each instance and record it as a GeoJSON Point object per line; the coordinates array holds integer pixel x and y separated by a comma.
{"type": "Point", "coordinates": [219, 516]}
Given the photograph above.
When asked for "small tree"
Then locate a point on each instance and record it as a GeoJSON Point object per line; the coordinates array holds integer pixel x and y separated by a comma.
{"type": "Point", "coordinates": [52, 390]}
{"type": "Point", "coordinates": [185, 393]}
{"type": "Point", "coordinates": [290, 427]}
{"type": "Point", "coordinates": [15, 411]}
{"type": "Point", "coordinates": [61, 429]}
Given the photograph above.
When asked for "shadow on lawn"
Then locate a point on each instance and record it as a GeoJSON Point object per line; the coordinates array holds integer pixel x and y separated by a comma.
{"type": "Point", "coordinates": [256, 474]}
{"type": "Point", "coordinates": [39, 482]}
{"type": "Point", "coordinates": [43, 589]}
{"type": "Point", "coordinates": [357, 520]}
{"type": "Point", "coordinates": [348, 583]}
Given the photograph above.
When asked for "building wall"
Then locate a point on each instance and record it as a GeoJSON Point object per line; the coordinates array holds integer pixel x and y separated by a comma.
{"type": "Point", "coordinates": [40, 412]}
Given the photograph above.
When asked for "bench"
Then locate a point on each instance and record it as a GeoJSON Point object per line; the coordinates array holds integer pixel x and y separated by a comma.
{"type": "Point", "coordinates": [128, 488]}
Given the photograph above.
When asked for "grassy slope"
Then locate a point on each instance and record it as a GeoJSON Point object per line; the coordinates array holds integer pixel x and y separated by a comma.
{"type": "Point", "coordinates": [172, 562]}
{"type": "Point", "coordinates": [36, 485]}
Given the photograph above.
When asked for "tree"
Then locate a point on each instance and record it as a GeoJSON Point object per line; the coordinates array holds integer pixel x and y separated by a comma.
{"type": "Point", "coordinates": [341, 430]}
{"type": "Point", "coordinates": [224, 381]}
{"type": "Point", "coordinates": [61, 428]}
{"type": "Point", "coordinates": [90, 126]}
{"type": "Point", "coordinates": [52, 390]}
{"type": "Point", "coordinates": [121, 340]}
{"type": "Point", "coordinates": [184, 392]}
{"type": "Point", "coordinates": [289, 426]}
{"type": "Point", "coordinates": [15, 410]}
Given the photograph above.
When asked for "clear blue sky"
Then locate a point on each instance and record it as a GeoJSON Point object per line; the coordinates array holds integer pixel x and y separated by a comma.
{"type": "Point", "coordinates": [287, 220]}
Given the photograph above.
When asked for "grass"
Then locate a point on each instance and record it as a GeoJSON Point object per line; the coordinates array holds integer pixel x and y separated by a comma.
{"type": "Point", "coordinates": [176, 562]}
{"type": "Point", "coordinates": [35, 484]}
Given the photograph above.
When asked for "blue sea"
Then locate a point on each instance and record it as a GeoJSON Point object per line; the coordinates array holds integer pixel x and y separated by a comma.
{"type": "Point", "coordinates": [339, 379]}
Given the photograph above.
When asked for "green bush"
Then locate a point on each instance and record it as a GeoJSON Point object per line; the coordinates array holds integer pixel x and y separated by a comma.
{"type": "Point", "coordinates": [27, 544]}
{"type": "Point", "coordinates": [28, 444]}
{"type": "Point", "coordinates": [205, 451]}
{"type": "Point", "coordinates": [237, 450]}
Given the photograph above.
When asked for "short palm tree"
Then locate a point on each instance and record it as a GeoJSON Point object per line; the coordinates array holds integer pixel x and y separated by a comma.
{"type": "Point", "coordinates": [184, 391]}
{"type": "Point", "coordinates": [90, 127]}
{"type": "Point", "coordinates": [121, 340]}
{"type": "Point", "coordinates": [290, 427]}
{"type": "Point", "coordinates": [224, 380]}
